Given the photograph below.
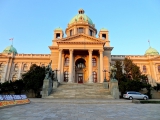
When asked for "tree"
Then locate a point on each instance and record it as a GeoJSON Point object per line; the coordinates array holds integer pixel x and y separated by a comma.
{"type": "Point", "coordinates": [119, 74]}
{"type": "Point", "coordinates": [6, 87]}
{"type": "Point", "coordinates": [33, 79]}
{"type": "Point", "coordinates": [132, 79]}
{"type": "Point", "coordinates": [17, 86]}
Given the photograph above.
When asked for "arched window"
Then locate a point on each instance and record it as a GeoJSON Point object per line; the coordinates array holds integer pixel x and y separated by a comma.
{"type": "Point", "coordinates": [66, 76]}
{"type": "Point", "coordinates": [144, 69]}
{"type": "Point", "coordinates": [16, 68]}
{"type": "Point", "coordinates": [66, 61]}
{"type": "Point", "coordinates": [1, 67]}
{"type": "Point", "coordinates": [94, 76]}
{"type": "Point", "coordinates": [25, 68]}
{"type": "Point", "coordinates": [158, 68]}
{"type": "Point", "coordinates": [14, 77]}
{"type": "Point", "coordinates": [94, 62]}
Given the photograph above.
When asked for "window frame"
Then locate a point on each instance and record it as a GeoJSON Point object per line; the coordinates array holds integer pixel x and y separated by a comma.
{"type": "Point", "coordinates": [94, 62]}
{"type": "Point", "coordinates": [94, 74]}
{"type": "Point", "coordinates": [66, 61]}
{"type": "Point", "coordinates": [66, 76]}
{"type": "Point", "coordinates": [144, 69]}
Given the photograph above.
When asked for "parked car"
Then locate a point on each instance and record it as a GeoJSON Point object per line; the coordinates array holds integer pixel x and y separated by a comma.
{"type": "Point", "coordinates": [134, 95]}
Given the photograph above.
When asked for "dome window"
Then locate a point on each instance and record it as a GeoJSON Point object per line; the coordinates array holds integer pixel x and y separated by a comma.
{"type": "Point", "coordinates": [71, 32]}
{"type": "Point", "coordinates": [90, 32]}
{"type": "Point", "coordinates": [81, 11]}
{"type": "Point", "coordinates": [80, 30]}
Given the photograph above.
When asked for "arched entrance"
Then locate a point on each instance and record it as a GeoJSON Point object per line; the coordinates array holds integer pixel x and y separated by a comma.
{"type": "Point", "coordinates": [80, 65]}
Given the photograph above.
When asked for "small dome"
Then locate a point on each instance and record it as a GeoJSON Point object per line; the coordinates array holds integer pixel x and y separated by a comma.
{"type": "Point", "coordinates": [58, 28]}
{"type": "Point", "coordinates": [81, 15]}
{"type": "Point", "coordinates": [10, 49]}
{"type": "Point", "coordinates": [151, 51]}
{"type": "Point", "coordinates": [103, 29]}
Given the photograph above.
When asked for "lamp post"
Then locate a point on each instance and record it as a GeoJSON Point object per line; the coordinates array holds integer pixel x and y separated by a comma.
{"type": "Point", "coordinates": [56, 73]}
{"type": "Point", "coordinates": [105, 80]}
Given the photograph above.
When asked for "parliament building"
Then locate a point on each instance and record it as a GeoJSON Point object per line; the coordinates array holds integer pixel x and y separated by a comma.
{"type": "Point", "coordinates": [79, 57]}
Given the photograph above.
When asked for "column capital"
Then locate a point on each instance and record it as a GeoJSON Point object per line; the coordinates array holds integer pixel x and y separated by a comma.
{"type": "Point", "coordinates": [70, 50]}
{"type": "Point", "coordinates": [100, 51]}
{"type": "Point", "coordinates": [90, 50]}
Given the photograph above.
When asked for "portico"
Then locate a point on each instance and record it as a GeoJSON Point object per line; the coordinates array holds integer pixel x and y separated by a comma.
{"type": "Point", "coordinates": [81, 56]}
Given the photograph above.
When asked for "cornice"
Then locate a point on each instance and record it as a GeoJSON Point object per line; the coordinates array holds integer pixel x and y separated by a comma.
{"type": "Point", "coordinates": [81, 35]}
{"type": "Point", "coordinates": [108, 48]}
{"type": "Point", "coordinates": [53, 47]}
{"type": "Point", "coordinates": [63, 42]}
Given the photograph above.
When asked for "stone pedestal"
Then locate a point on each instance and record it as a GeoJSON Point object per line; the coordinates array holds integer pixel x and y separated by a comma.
{"type": "Point", "coordinates": [47, 88]}
{"type": "Point", "coordinates": [55, 84]}
{"type": "Point", "coordinates": [106, 85]}
{"type": "Point", "coordinates": [114, 89]}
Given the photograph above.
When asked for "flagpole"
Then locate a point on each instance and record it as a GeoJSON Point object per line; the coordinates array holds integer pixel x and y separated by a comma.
{"type": "Point", "coordinates": [149, 43]}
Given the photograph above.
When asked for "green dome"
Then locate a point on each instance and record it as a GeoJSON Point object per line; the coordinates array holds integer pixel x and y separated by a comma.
{"type": "Point", "coordinates": [10, 49]}
{"type": "Point", "coordinates": [103, 29]}
{"type": "Point", "coordinates": [58, 28]}
{"type": "Point", "coordinates": [151, 51]}
{"type": "Point", "coordinates": [78, 16]}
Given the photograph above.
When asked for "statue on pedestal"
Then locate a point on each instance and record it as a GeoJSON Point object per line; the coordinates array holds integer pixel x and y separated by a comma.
{"type": "Point", "coordinates": [48, 71]}
{"type": "Point", "coordinates": [113, 71]}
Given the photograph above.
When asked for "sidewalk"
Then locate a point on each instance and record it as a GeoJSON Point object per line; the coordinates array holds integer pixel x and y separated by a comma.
{"type": "Point", "coordinates": [80, 101]}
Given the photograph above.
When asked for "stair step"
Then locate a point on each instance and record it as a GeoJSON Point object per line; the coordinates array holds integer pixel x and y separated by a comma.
{"type": "Point", "coordinates": [76, 91]}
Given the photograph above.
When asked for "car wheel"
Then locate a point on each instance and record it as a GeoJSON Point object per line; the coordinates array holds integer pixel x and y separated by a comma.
{"type": "Point", "coordinates": [130, 98]}
{"type": "Point", "coordinates": [145, 98]}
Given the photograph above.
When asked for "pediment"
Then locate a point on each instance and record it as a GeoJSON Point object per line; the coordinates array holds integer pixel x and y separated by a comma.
{"type": "Point", "coordinates": [81, 38]}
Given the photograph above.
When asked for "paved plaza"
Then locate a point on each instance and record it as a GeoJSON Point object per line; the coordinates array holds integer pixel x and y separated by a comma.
{"type": "Point", "coordinates": [81, 109]}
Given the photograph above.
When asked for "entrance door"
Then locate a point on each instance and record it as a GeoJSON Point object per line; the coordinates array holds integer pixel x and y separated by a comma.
{"type": "Point", "coordinates": [80, 78]}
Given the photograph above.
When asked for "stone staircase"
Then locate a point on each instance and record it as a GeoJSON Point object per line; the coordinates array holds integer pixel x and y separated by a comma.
{"type": "Point", "coordinates": [75, 91]}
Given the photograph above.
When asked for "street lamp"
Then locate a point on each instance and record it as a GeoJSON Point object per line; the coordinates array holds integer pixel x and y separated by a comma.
{"type": "Point", "coordinates": [105, 80]}
{"type": "Point", "coordinates": [56, 73]}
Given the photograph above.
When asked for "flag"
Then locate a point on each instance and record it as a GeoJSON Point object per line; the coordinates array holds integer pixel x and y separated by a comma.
{"type": "Point", "coordinates": [11, 38]}
{"type": "Point", "coordinates": [148, 41]}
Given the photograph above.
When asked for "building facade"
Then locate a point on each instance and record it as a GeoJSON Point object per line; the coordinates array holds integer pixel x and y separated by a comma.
{"type": "Point", "coordinates": [80, 57]}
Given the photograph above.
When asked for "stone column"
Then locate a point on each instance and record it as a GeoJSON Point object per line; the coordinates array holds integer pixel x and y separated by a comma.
{"type": "Point", "coordinates": [20, 70]}
{"type": "Point", "coordinates": [70, 65]}
{"type": "Point", "coordinates": [59, 65]}
{"type": "Point", "coordinates": [101, 65]}
{"type": "Point", "coordinates": [90, 66]}
{"type": "Point", "coordinates": [62, 66]}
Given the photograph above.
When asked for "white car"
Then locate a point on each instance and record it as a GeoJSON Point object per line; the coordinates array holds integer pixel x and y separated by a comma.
{"type": "Point", "coordinates": [134, 95]}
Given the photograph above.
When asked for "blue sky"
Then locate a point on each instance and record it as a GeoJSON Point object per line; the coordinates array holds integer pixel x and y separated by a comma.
{"type": "Point", "coordinates": [131, 23]}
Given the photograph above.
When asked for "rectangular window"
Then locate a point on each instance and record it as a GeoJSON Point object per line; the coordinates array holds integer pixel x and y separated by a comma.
{"type": "Point", "coordinates": [57, 35]}
{"type": "Point", "coordinates": [103, 36]}
{"type": "Point", "coordinates": [71, 32]}
{"type": "Point", "coordinates": [80, 30]}
{"type": "Point", "coordinates": [90, 32]}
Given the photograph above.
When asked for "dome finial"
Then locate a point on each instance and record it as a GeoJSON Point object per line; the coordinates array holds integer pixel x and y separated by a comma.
{"type": "Point", "coordinates": [81, 11]}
